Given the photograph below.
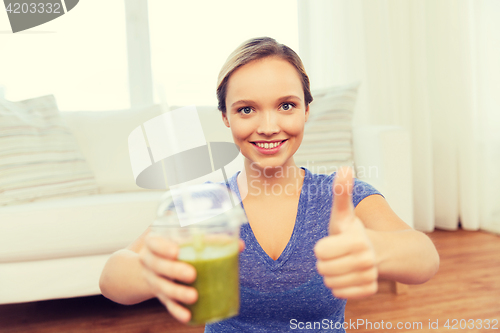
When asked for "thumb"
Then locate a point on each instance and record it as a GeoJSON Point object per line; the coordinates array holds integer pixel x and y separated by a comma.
{"type": "Point", "coordinates": [342, 206]}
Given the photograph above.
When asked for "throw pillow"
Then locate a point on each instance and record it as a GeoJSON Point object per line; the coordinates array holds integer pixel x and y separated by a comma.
{"type": "Point", "coordinates": [40, 159]}
{"type": "Point", "coordinates": [327, 142]}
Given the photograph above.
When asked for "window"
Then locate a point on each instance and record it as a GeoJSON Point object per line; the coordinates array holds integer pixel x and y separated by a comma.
{"type": "Point", "coordinates": [80, 57]}
{"type": "Point", "coordinates": [190, 41]}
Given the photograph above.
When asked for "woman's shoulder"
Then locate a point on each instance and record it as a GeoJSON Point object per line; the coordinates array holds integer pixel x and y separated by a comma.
{"type": "Point", "coordinates": [361, 189]}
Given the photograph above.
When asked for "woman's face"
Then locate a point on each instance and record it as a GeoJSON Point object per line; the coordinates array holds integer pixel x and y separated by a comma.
{"type": "Point", "coordinates": [265, 103]}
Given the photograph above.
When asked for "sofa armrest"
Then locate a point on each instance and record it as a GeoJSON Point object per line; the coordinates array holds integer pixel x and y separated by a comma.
{"type": "Point", "coordinates": [382, 157]}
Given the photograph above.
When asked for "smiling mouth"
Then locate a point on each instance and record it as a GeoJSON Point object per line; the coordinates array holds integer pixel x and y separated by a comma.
{"type": "Point", "coordinates": [280, 142]}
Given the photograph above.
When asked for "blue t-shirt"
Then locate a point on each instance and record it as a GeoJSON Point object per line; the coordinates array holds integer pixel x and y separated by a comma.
{"type": "Point", "coordinates": [288, 294]}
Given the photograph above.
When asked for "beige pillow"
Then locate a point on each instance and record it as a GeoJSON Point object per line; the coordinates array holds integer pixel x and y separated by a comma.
{"type": "Point", "coordinates": [327, 142]}
{"type": "Point", "coordinates": [40, 158]}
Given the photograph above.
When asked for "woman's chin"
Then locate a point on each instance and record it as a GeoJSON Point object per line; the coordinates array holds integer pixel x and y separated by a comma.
{"type": "Point", "coordinates": [267, 165]}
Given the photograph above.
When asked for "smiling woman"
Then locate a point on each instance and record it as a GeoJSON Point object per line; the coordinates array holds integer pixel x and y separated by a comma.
{"type": "Point", "coordinates": [313, 240]}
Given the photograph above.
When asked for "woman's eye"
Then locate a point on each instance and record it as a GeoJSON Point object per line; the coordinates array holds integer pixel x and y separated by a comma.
{"type": "Point", "coordinates": [245, 109]}
{"type": "Point", "coordinates": [288, 106]}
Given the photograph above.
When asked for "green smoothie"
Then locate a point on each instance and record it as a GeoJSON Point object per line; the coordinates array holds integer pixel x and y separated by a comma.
{"type": "Point", "coordinates": [217, 280]}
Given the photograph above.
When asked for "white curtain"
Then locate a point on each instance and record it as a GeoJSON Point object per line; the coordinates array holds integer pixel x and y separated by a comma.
{"type": "Point", "coordinates": [432, 67]}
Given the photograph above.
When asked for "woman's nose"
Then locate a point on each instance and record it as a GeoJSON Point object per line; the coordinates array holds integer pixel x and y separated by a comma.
{"type": "Point", "coordinates": [268, 123]}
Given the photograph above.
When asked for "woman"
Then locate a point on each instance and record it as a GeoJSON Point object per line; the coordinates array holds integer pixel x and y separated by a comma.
{"type": "Point", "coordinates": [312, 241]}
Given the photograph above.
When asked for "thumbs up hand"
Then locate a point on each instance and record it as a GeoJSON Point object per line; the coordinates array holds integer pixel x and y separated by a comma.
{"type": "Point", "coordinates": [346, 257]}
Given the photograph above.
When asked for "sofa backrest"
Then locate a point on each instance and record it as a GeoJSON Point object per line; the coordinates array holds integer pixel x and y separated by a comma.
{"type": "Point", "coordinates": [213, 126]}
{"type": "Point", "coordinates": [103, 140]}
{"type": "Point", "coordinates": [102, 137]}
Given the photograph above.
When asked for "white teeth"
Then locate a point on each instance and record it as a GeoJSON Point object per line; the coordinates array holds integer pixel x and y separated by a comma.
{"type": "Point", "coordinates": [268, 145]}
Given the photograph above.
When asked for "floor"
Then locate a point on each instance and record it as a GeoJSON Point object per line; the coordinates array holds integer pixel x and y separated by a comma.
{"type": "Point", "coordinates": [467, 287]}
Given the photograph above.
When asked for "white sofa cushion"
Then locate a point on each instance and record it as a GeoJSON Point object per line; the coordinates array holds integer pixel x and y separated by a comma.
{"type": "Point", "coordinates": [40, 158]}
{"type": "Point", "coordinates": [71, 227]}
{"type": "Point", "coordinates": [55, 278]}
{"type": "Point", "coordinates": [103, 139]}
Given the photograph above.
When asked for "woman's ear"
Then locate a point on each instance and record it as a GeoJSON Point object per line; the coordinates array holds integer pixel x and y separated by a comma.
{"type": "Point", "coordinates": [307, 112]}
{"type": "Point", "coordinates": [224, 119]}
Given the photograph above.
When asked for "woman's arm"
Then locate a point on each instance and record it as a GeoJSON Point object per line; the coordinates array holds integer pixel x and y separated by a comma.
{"type": "Point", "coordinates": [368, 242]}
{"type": "Point", "coordinates": [122, 279]}
{"type": "Point", "coordinates": [402, 254]}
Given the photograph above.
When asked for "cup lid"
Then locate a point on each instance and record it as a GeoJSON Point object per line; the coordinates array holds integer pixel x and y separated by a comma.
{"type": "Point", "coordinates": [200, 205]}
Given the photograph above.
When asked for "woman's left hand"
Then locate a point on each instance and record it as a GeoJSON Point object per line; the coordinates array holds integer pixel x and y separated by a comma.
{"type": "Point", "coordinates": [346, 257]}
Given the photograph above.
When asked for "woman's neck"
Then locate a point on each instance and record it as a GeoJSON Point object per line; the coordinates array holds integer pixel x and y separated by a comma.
{"type": "Point", "coordinates": [265, 183]}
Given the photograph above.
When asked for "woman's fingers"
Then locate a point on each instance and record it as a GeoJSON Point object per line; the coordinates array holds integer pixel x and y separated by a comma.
{"type": "Point", "coordinates": [347, 264]}
{"type": "Point", "coordinates": [174, 270]}
{"type": "Point", "coordinates": [162, 270]}
{"type": "Point", "coordinates": [161, 246]}
{"type": "Point", "coordinates": [356, 292]}
{"type": "Point", "coordinates": [349, 281]}
{"type": "Point", "coordinates": [166, 288]}
{"type": "Point", "coordinates": [168, 291]}
{"type": "Point", "coordinates": [177, 311]}
{"type": "Point", "coordinates": [160, 256]}
{"type": "Point", "coordinates": [367, 276]}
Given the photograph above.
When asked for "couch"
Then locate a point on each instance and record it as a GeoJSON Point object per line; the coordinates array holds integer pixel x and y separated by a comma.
{"type": "Point", "coordinates": [57, 248]}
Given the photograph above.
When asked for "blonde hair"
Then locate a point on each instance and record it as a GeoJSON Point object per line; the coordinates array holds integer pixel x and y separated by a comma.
{"type": "Point", "coordinates": [258, 48]}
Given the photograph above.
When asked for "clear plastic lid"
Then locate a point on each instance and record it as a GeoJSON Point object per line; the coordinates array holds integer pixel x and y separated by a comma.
{"type": "Point", "coordinates": [200, 205]}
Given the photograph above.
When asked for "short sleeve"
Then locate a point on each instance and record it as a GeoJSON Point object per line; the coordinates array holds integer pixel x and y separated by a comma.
{"type": "Point", "coordinates": [361, 190]}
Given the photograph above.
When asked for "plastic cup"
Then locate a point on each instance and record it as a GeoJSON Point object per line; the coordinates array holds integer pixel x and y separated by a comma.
{"type": "Point", "coordinates": [204, 221]}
